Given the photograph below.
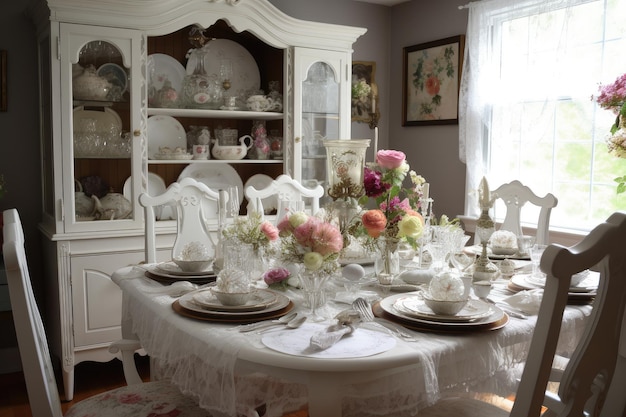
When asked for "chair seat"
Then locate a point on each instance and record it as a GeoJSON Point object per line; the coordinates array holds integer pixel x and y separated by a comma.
{"type": "Point", "coordinates": [154, 399]}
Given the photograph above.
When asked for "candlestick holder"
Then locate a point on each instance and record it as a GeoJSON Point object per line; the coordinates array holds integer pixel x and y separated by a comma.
{"type": "Point", "coordinates": [484, 269]}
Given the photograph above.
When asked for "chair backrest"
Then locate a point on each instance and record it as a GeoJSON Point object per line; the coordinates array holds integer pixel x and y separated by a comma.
{"type": "Point", "coordinates": [284, 188]}
{"type": "Point", "coordinates": [515, 195]}
{"type": "Point", "coordinates": [193, 199]}
{"type": "Point", "coordinates": [595, 376]}
{"type": "Point", "coordinates": [13, 216]}
{"type": "Point", "coordinates": [31, 337]}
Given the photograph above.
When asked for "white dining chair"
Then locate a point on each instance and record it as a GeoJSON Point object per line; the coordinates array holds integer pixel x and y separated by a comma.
{"type": "Point", "coordinates": [158, 397]}
{"type": "Point", "coordinates": [515, 195]}
{"type": "Point", "coordinates": [284, 188]}
{"type": "Point", "coordinates": [595, 376]}
{"type": "Point", "coordinates": [195, 205]}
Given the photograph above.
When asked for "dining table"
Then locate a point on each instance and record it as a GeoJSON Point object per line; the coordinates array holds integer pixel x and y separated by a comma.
{"type": "Point", "coordinates": [372, 372]}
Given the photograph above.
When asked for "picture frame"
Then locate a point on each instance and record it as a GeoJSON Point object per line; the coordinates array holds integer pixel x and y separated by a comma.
{"type": "Point", "coordinates": [363, 72]}
{"type": "Point", "coordinates": [3, 80]}
{"type": "Point", "coordinates": [431, 81]}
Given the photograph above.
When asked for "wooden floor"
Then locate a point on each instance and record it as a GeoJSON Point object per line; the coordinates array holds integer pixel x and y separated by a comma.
{"type": "Point", "coordinates": [90, 378]}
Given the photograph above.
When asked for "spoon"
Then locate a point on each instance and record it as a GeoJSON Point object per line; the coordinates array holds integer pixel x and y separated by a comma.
{"type": "Point", "coordinates": [263, 324]}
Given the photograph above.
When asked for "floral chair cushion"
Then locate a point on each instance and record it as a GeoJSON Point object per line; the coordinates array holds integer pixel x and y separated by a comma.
{"type": "Point", "coordinates": [150, 399]}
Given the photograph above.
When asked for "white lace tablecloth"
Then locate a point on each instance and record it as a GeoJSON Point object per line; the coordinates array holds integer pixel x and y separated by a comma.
{"type": "Point", "coordinates": [232, 373]}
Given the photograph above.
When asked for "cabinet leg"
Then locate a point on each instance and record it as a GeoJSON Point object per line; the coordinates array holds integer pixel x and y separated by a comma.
{"type": "Point", "coordinates": [68, 384]}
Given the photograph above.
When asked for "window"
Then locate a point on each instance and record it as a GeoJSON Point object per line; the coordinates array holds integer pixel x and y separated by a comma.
{"type": "Point", "coordinates": [526, 109]}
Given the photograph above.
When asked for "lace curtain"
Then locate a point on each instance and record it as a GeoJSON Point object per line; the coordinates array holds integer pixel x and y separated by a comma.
{"type": "Point", "coordinates": [483, 86]}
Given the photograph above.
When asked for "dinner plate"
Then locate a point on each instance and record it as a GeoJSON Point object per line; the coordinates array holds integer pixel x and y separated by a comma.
{"type": "Point", "coordinates": [385, 308]}
{"type": "Point", "coordinates": [245, 71]}
{"type": "Point", "coordinates": [188, 303]}
{"type": "Point", "coordinates": [162, 67]}
{"type": "Point", "coordinates": [156, 186]}
{"type": "Point", "coordinates": [171, 268]}
{"type": "Point", "coordinates": [261, 181]}
{"type": "Point", "coordinates": [478, 249]}
{"type": "Point", "coordinates": [165, 131]}
{"type": "Point", "coordinates": [252, 317]}
{"type": "Point", "coordinates": [522, 282]}
{"type": "Point", "coordinates": [414, 306]}
{"type": "Point", "coordinates": [259, 300]}
{"type": "Point", "coordinates": [360, 343]}
{"type": "Point", "coordinates": [106, 121]}
{"type": "Point", "coordinates": [216, 177]}
{"type": "Point", "coordinates": [115, 75]}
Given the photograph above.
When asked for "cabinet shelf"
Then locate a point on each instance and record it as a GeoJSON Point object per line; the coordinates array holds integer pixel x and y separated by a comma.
{"type": "Point", "coordinates": [214, 161]}
{"type": "Point", "coordinates": [216, 114]}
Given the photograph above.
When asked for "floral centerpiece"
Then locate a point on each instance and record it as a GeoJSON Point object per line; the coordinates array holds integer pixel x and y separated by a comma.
{"type": "Point", "coordinates": [397, 214]}
{"type": "Point", "coordinates": [613, 97]}
{"type": "Point", "coordinates": [253, 230]}
{"type": "Point", "coordinates": [315, 244]}
{"type": "Point", "coordinates": [310, 241]}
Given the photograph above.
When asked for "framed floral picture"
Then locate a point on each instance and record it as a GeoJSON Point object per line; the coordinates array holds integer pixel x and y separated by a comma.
{"type": "Point", "coordinates": [363, 73]}
{"type": "Point", "coordinates": [431, 78]}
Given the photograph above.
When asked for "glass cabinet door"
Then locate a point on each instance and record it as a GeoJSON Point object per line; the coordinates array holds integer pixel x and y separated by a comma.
{"type": "Point", "coordinates": [322, 108]}
{"type": "Point", "coordinates": [100, 94]}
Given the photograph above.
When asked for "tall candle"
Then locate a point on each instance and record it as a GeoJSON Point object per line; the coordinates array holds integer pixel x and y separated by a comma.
{"type": "Point", "coordinates": [375, 142]}
{"type": "Point", "coordinates": [374, 95]}
{"type": "Point", "coordinates": [425, 190]}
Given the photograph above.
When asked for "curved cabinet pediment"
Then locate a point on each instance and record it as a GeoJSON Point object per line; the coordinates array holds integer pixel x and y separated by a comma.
{"type": "Point", "coordinates": [158, 17]}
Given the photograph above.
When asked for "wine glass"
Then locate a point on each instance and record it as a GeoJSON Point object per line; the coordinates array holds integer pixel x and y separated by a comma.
{"type": "Point", "coordinates": [536, 252]}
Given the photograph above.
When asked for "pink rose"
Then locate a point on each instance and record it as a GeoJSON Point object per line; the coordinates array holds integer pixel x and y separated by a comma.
{"type": "Point", "coordinates": [269, 230]}
{"type": "Point", "coordinates": [276, 275]}
{"type": "Point", "coordinates": [327, 239]}
{"type": "Point", "coordinates": [390, 159]}
{"type": "Point", "coordinates": [304, 233]}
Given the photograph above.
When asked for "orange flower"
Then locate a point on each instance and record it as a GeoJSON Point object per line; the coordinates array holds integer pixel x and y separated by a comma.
{"type": "Point", "coordinates": [374, 222]}
{"type": "Point", "coordinates": [433, 85]}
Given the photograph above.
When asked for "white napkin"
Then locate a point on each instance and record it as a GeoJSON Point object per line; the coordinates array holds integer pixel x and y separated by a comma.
{"type": "Point", "coordinates": [527, 301]}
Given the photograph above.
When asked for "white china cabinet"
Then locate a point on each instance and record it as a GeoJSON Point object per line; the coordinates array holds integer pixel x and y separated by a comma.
{"type": "Point", "coordinates": [98, 90]}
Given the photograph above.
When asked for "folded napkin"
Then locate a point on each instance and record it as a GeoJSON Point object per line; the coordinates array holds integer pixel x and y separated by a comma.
{"type": "Point", "coordinates": [527, 301]}
{"type": "Point", "coordinates": [346, 323]}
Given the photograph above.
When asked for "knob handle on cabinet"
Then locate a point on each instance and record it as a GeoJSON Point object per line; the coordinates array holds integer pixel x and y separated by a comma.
{"type": "Point", "coordinates": [136, 132]}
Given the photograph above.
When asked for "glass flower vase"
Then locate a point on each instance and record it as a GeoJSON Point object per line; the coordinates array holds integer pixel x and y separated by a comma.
{"type": "Point", "coordinates": [387, 260]}
{"type": "Point", "coordinates": [313, 283]}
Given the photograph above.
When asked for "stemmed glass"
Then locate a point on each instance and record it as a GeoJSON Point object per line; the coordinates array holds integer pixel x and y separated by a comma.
{"type": "Point", "coordinates": [233, 202]}
{"type": "Point", "coordinates": [536, 252]}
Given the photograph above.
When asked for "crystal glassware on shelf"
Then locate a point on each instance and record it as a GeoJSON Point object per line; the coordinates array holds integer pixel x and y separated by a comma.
{"type": "Point", "coordinates": [201, 90]}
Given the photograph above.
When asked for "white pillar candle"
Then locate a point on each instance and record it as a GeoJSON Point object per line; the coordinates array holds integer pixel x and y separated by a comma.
{"type": "Point", "coordinates": [425, 190]}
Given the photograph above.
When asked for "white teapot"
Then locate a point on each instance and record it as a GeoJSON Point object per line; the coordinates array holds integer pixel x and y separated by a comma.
{"type": "Point", "coordinates": [112, 206]}
{"type": "Point", "coordinates": [90, 86]}
{"type": "Point", "coordinates": [232, 152]}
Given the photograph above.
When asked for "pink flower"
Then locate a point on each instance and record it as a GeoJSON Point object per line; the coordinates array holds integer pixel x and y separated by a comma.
{"type": "Point", "coordinates": [269, 230]}
{"type": "Point", "coordinates": [284, 227]}
{"type": "Point", "coordinates": [327, 239]}
{"type": "Point", "coordinates": [276, 275]}
{"type": "Point", "coordinates": [389, 159]}
{"type": "Point", "coordinates": [304, 233]}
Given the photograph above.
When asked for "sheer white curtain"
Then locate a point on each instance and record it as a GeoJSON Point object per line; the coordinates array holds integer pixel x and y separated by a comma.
{"type": "Point", "coordinates": [487, 88]}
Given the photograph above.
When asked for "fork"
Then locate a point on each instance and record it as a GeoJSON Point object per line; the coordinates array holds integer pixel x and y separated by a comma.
{"type": "Point", "coordinates": [367, 316]}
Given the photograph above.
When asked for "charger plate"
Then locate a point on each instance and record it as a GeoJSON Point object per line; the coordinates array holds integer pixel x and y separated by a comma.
{"type": "Point", "coordinates": [385, 309]}
{"type": "Point", "coordinates": [188, 303]}
{"type": "Point", "coordinates": [259, 300]}
{"type": "Point", "coordinates": [251, 317]}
